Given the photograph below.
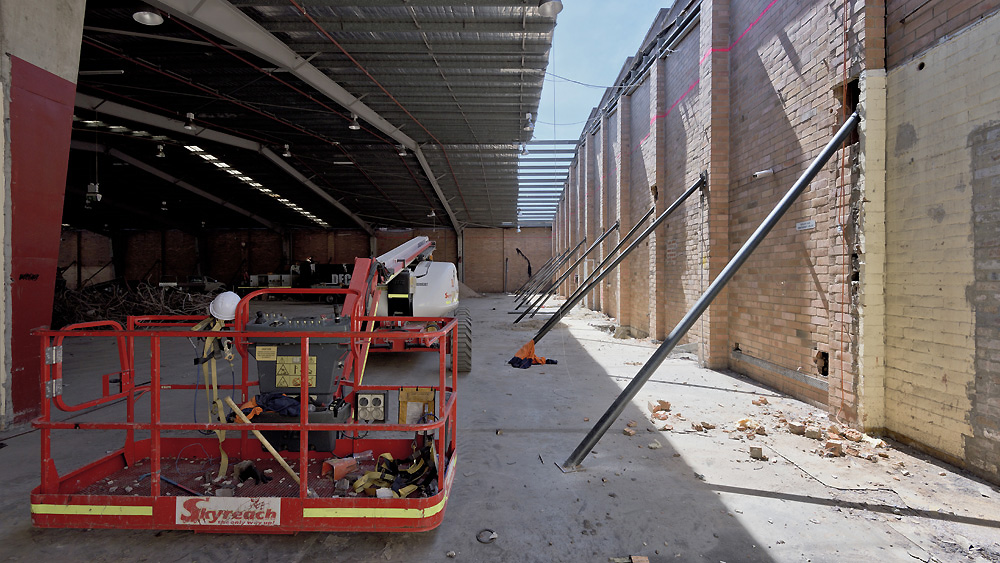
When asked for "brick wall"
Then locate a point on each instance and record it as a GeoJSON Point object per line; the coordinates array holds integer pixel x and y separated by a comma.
{"type": "Point", "coordinates": [914, 25]}
{"type": "Point", "coordinates": [884, 274]}
{"type": "Point", "coordinates": [85, 258]}
{"type": "Point", "coordinates": [685, 246]}
{"type": "Point", "coordinates": [941, 241]}
{"type": "Point", "coordinates": [641, 158]}
{"type": "Point", "coordinates": [781, 300]}
{"type": "Point", "coordinates": [486, 251]}
{"type": "Point", "coordinates": [611, 285]}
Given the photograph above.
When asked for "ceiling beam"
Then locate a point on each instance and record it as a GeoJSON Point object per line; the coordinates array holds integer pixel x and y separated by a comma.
{"type": "Point", "coordinates": [222, 19]}
{"type": "Point", "coordinates": [394, 26]}
{"type": "Point", "coordinates": [169, 178]}
{"type": "Point", "coordinates": [153, 120]}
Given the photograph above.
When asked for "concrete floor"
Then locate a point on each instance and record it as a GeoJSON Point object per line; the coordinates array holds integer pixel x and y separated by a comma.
{"type": "Point", "coordinates": [699, 497]}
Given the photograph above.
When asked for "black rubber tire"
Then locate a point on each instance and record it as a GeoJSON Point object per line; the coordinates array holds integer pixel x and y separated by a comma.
{"type": "Point", "coordinates": [464, 350]}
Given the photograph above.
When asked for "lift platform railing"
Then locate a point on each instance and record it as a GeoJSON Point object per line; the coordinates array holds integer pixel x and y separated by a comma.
{"type": "Point", "coordinates": [547, 294]}
{"type": "Point", "coordinates": [727, 273]}
{"type": "Point", "coordinates": [60, 500]}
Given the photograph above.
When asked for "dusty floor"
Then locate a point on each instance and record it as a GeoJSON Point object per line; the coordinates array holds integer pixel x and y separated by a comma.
{"type": "Point", "coordinates": [677, 494]}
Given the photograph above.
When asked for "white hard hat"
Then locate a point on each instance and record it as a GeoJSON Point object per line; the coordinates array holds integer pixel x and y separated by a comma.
{"type": "Point", "coordinates": [223, 307]}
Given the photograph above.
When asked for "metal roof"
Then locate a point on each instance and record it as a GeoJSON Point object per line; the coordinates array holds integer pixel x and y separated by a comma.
{"type": "Point", "coordinates": [440, 90]}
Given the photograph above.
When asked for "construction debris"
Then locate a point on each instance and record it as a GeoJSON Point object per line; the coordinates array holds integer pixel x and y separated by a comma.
{"type": "Point", "coordinates": [757, 452]}
{"type": "Point", "coordinates": [658, 406]}
{"type": "Point", "coordinates": [628, 431]}
{"type": "Point", "coordinates": [117, 300]}
{"type": "Point", "coordinates": [834, 448]}
{"type": "Point", "coordinates": [760, 401]}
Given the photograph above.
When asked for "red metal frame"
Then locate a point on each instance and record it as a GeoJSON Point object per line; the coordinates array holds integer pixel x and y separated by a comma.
{"type": "Point", "coordinates": [65, 501]}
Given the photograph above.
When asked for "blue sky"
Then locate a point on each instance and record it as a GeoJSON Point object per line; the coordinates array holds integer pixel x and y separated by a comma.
{"type": "Point", "coordinates": [592, 39]}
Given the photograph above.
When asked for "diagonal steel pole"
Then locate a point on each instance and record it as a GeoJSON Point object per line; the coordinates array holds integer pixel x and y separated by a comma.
{"type": "Point", "coordinates": [568, 305]}
{"type": "Point", "coordinates": [537, 303]}
{"type": "Point", "coordinates": [544, 281]}
{"type": "Point", "coordinates": [600, 267]}
{"type": "Point", "coordinates": [541, 274]}
{"type": "Point", "coordinates": [545, 274]}
{"type": "Point", "coordinates": [532, 277]}
{"type": "Point", "coordinates": [727, 273]}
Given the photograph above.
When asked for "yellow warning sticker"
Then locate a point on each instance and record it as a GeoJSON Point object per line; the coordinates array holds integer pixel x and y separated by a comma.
{"type": "Point", "coordinates": [288, 371]}
{"type": "Point", "coordinates": [267, 353]}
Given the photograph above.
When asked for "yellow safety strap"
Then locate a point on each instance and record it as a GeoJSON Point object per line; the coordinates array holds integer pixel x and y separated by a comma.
{"type": "Point", "coordinates": [215, 409]}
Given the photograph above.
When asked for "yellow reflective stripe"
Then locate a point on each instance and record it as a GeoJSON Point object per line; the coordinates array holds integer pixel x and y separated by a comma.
{"type": "Point", "coordinates": [375, 512]}
{"type": "Point", "coordinates": [92, 509]}
{"type": "Point", "coordinates": [398, 295]}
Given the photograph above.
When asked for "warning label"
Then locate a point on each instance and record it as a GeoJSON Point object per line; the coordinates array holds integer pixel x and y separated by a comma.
{"type": "Point", "coordinates": [267, 353]}
{"type": "Point", "coordinates": [288, 371]}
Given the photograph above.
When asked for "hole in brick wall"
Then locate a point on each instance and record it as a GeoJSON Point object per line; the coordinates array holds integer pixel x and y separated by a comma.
{"type": "Point", "coordinates": [852, 98]}
{"type": "Point", "coordinates": [736, 347]}
{"type": "Point", "coordinates": [822, 360]}
{"type": "Point", "coordinates": [920, 66]}
{"type": "Point", "coordinates": [855, 268]}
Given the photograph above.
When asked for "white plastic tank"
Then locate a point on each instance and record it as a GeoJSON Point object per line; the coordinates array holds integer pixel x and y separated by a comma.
{"type": "Point", "coordinates": [436, 294]}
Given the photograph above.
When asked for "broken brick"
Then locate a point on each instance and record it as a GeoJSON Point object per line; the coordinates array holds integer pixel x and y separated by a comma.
{"type": "Point", "coordinates": [632, 424]}
{"type": "Point", "coordinates": [834, 448]}
{"type": "Point", "coordinates": [761, 430]}
{"type": "Point", "coordinates": [759, 401]}
{"type": "Point", "coordinates": [661, 415]}
{"type": "Point", "coordinates": [697, 427]}
{"type": "Point", "coordinates": [628, 431]}
{"type": "Point", "coordinates": [813, 432]}
{"type": "Point", "coordinates": [797, 428]}
{"type": "Point", "coordinates": [757, 452]}
{"type": "Point", "coordinates": [708, 425]}
{"type": "Point", "coordinates": [853, 435]}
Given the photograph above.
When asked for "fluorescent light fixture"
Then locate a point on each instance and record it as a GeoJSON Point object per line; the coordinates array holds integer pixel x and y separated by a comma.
{"type": "Point", "coordinates": [194, 148]}
{"type": "Point", "coordinates": [221, 164]}
{"type": "Point", "coordinates": [146, 17]}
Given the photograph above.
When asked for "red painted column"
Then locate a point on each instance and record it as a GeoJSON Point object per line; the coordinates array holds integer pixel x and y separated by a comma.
{"type": "Point", "coordinates": [41, 118]}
